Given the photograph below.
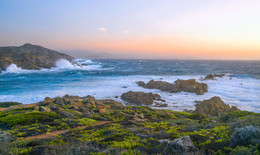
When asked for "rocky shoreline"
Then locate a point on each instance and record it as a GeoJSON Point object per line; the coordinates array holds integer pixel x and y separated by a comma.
{"type": "Point", "coordinates": [85, 125]}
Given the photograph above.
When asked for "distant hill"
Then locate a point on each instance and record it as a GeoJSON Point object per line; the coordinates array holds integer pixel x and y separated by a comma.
{"type": "Point", "coordinates": [30, 56]}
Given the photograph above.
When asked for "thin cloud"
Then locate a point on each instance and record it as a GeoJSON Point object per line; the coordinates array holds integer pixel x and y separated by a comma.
{"type": "Point", "coordinates": [102, 29]}
{"type": "Point", "coordinates": [126, 32]}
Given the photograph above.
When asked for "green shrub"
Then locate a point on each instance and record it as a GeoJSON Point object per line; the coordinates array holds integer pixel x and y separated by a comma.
{"type": "Point", "coordinates": [245, 136]}
{"type": "Point", "coordinates": [242, 150]}
{"type": "Point", "coordinates": [8, 104]}
{"type": "Point", "coordinates": [235, 115]}
{"type": "Point", "coordinates": [27, 118]}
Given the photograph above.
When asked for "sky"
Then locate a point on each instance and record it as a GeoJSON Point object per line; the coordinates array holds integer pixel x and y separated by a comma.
{"type": "Point", "coordinates": [203, 29]}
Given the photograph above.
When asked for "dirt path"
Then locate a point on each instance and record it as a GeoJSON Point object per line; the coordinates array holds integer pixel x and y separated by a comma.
{"type": "Point", "coordinates": [54, 133]}
{"type": "Point", "coordinates": [3, 109]}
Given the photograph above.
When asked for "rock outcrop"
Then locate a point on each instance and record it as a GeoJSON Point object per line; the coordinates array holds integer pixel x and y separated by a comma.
{"type": "Point", "coordinates": [140, 98]}
{"type": "Point", "coordinates": [190, 85]}
{"type": "Point", "coordinates": [212, 76]}
{"type": "Point", "coordinates": [214, 107]}
{"type": "Point", "coordinates": [185, 143]}
{"type": "Point", "coordinates": [30, 56]}
{"type": "Point", "coordinates": [76, 103]}
{"type": "Point", "coordinates": [182, 145]}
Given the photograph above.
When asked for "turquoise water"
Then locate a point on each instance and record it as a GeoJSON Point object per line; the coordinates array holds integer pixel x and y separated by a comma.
{"type": "Point", "coordinates": [106, 79]}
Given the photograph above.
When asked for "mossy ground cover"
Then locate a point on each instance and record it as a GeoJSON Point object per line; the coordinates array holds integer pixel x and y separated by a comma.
{"type": "Point", "coordinates": [8, 104]}
{"type": "Point", "coordinates": [129, 130]}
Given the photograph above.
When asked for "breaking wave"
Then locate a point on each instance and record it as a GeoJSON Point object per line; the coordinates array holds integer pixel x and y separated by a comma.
{"type": "Point", "coordinates": [61, 65]}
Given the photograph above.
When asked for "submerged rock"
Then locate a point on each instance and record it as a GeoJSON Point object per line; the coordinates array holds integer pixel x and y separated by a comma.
{"type": "Point", "coordinates": [212, 76]}
{"type": "Point", "coordinates": [30, 56]}
{"type": "Point", "coordinates": [190, 85]}
{"type": "Point", "coordinates": [213, 107]}
{"type": "Point", "coordinates": [157, 104]}
{"type": "Point", "coordinates": [140, 98]}
{"type": "Point", "coordinates": [162, 85]}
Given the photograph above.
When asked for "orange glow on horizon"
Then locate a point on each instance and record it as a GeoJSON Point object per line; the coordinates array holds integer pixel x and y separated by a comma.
{"type": "Point", "coordinates": [169, 48]}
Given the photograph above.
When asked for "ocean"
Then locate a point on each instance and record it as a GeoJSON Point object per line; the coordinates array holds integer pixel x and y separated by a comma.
{"type": "Point", "coordinates": [109, 78]}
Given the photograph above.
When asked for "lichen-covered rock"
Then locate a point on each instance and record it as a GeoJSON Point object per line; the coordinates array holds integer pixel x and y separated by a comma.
{"type": "Point", "coordinates": [45, 108]}
{"type": "Point", "coordinates": [185, 143]}
{"type": "Point", "coordinates": [140, 98]}
{"type": "Point", "coordinates": [21, 106]}
{"type": "Point", "coordinates": [190, 85]}
{"type": "Point", "coordinates": [213, 107]}
{"type": "Point", "coordinates": [59, 101]}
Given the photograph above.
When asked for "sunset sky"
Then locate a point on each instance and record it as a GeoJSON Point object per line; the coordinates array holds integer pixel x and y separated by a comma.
{"type": "Point", "coordinates": [205, 29]}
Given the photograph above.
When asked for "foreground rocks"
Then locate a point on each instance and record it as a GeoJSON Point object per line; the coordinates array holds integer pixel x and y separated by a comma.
{"type": "Point", "coordinates": [214, 107]}
{"type": "Point", "coordinates": [30, 56]}
{"type": "Point", "coordinates": [76, 102]}
{"type": "Point", "coordinates": [86, 125]}
{"type": "Point", "coordinates": [190, 85]}
{"type": "Point", "coordinates": [212, 76]}
{"type": "Point", "coordinates": [140, 98]}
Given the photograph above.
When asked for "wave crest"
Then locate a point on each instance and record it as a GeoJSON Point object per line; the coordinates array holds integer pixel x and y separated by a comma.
{"type": "Point", "coordinates": [61, 65]}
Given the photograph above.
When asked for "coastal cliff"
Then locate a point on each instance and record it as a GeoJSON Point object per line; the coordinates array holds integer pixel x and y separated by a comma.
{"type": "Point", "coordinates": [30, 56]}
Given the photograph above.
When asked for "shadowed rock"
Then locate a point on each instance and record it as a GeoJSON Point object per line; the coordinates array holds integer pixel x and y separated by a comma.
{"type": "Point", "coordinates": [30, 56]}
{"type": "Point", "coordinates": [190, 85]}
{"type": "Point", "coordinates": [212, 76]}
{"type": "Point", "coordinates": [140, 98]}
{"type": "Point", "coordinates": [213, 107]}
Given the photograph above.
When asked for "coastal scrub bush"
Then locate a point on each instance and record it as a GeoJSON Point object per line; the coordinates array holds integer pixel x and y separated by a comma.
{"type": "Point", "coordinates": [86, 121]}
{"type": "Point", "coordinates": [129, 142]}
{"type": "Point", "coordinates": [210, 137]}
{"type": "Point", "coordinates": [245, 136]}
{"type": "Point", "coordinates": [131, 152]}
{"type": "Point", "coordinates": [231, 116]}
{"type": "Point", "coordinates": [27, 118]}
{"type": "Point", "coordinates": [249, 120]}
{"type": "Point", "coordinates": [8, 104]}
{"type": "Point", "coordinates": [242, 150]}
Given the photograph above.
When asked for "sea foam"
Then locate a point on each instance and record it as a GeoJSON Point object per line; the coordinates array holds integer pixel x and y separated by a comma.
{"type": "Point", "coordinates": [61, 65]}
{"type": "Point", "coordinates": [241, 92]}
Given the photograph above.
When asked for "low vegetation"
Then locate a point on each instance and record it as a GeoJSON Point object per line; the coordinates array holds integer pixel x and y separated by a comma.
{"type": "Point", "coordinates": [89, 126]}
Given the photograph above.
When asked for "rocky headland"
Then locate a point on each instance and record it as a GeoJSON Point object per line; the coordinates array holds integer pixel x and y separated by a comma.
{"type": "Point", "coordinates": [30, 56]}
